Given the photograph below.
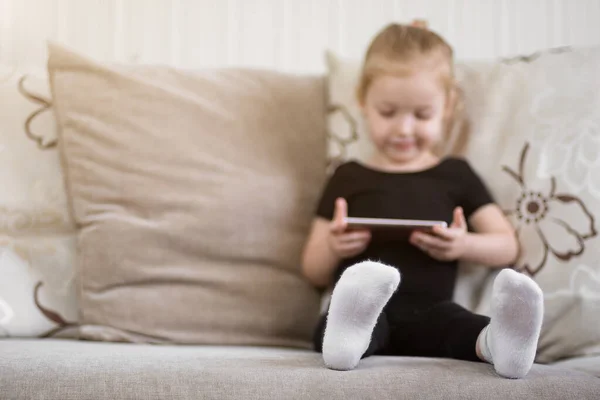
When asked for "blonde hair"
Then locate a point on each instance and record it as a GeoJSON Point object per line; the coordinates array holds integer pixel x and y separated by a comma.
{"type": "Point", "coordinates": [402, 50]}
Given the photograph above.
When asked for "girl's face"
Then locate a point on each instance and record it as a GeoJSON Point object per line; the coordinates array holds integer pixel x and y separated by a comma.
{"type": "Point", "coordinates": [405, 116]}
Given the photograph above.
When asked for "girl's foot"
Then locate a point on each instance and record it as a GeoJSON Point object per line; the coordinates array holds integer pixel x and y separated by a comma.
{"type": "Point", "coordinates": [356, 303]}
{"type": "Point", "coordinates": [510, 340]}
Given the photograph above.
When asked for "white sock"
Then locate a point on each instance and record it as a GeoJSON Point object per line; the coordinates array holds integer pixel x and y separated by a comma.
{"type": "Point", "coordinates": [510, 341]}
{"type": "Point", "coordinates": [485, 344]}
{"type": "Point", "coordinates": [356, 303]}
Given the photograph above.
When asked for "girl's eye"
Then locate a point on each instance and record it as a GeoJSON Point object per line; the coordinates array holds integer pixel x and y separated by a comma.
{"type": "Point", "coordinates": [424, 116]}
{"type": "Point", "coordinates": [386, 113]}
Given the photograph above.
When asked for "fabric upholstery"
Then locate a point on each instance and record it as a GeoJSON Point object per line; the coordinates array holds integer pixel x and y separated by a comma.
{"type": "Point", "coordinates": [71, 370]}
{"type": "Point", "coordinates": [37, 236]}
{"type": "Point", "coordinates": [193, 194]}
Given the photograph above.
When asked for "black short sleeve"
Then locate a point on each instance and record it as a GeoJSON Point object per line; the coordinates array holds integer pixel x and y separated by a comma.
{"type": "Point", "coordinates": [334, 188]}
{"type": "Point", "coordinates": [475, 193]}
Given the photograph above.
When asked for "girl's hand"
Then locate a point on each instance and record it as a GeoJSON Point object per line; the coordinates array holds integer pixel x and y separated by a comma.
{"type": "Point", "coordinates": [446, 244]}
{"type": "Point", "coordinates": [344, 243]}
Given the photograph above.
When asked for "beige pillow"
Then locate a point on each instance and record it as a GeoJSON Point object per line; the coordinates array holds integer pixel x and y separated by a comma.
{"type": "Point", "coordinates": [193, 194]}
{"type": "Point", "coordinates": [37, 238]}
{"type": "Point", "coordinates": [534, 138]}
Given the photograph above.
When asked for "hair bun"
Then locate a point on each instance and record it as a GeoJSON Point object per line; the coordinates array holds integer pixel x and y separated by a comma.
{"type": "Point", "coordinates": [419, 23]}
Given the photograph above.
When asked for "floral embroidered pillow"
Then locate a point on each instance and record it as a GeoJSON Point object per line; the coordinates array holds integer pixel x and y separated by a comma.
{"type": "Point", "coordinates": [541, 116]}
{"type": "Point", "coordinates": [37, 242]}
{"type": "Point", "coordinates": [534, 136]}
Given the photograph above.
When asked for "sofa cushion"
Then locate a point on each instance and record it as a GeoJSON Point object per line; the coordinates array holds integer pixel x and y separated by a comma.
{"type": "Point", "coordinates": [55, 369]}
{"type": "Point", "coordinates": [591, 365]}
{"type": "Point", "coordinates": [193, 194]}
{"type": "Point", "coordinates": [37, 237]}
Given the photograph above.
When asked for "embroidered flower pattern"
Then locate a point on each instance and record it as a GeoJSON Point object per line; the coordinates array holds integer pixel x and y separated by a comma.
{"type": "Point", "coordinates": [25, 253]}
{"type": "Point", "coordinates": [45, 105]}
{"type": "Point", "coordinates": [547, 222]}
{"type": "Point", "coordinates": [6, 312]}
{"type": "Point", "coordinates": [52, 315]}
{"type": "Point", "coordinates": [339, 141]}
{"type": "Point", "coordinates": [527, 58]}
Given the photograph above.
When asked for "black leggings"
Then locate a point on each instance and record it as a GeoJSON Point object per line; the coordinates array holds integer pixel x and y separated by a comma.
{"type": "Point", "coordinates": [441, 330]}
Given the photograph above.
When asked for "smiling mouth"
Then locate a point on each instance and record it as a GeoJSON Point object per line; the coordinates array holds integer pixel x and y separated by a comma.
{"type": "Point", "coordinates": [403, 145]}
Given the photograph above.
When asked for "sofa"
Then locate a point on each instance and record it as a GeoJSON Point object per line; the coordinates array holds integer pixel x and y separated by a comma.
{"type": "Point", "coordinates": [155, 217]}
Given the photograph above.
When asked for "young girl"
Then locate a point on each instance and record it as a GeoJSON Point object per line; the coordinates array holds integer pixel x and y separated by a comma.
{"type": "Point", "coordinates": [407, 93]}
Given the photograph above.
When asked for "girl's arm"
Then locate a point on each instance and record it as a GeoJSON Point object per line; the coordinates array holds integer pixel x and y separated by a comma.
{"type": "Point", "coordinates": [494, 242]}
{"type": "Point", "coordinates": [318, 259]}
{"type": "Point", "coordinates": [328, 243]}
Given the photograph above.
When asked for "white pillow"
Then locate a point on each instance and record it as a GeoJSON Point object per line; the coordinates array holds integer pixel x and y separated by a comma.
{"type": "Point", "coordinates": [535, 140]}
{"type": "Point", "coordinates": [37, 242]}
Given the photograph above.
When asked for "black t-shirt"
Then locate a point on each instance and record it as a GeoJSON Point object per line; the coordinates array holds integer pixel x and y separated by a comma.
{"type": "Point", "coordinates": [431, 194]}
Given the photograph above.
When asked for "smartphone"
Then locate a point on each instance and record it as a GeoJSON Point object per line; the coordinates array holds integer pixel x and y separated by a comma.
{"type": "Point", "coordinates": [354, 222]}
{"type": "Point", "coordinates": [393, 228]}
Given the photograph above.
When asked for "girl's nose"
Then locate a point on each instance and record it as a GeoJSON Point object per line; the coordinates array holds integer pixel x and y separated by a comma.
{"type": "Point", "coordinates": [405, 126]}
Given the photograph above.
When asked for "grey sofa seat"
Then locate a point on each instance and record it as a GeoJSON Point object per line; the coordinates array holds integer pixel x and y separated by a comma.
{"type": "Point", "coordinates": [590, 365]}
{"type": "Point", "coordinates": [72, 370]}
